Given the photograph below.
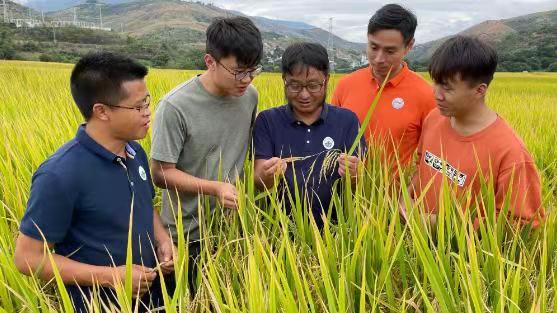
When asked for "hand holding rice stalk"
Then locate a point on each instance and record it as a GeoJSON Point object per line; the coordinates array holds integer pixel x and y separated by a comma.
{"type": "Point", "coordinates": [332, 155]}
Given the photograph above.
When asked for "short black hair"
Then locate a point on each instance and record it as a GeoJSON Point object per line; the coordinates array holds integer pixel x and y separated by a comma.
{"type": "Point", "coordinates": [394, 16]}
{"type": "Point", "coordinates": [98, 78]}
{"type": "Point", "coordinates": [235, 36]}
{"type": "Point", "coordinates": [305, 55]}
{"type": "Point", "coordinates": [472, 59]}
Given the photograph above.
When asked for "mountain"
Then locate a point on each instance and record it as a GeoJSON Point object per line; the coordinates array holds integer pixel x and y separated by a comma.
{"type": "Point", "coordinates": [17, 10]}
{"type": "Point", "coordinates": [183, 23]}
{"type": "Point", "coordinates": [53, 5]}
{"type": "Point", "coordinates": [150, 17]}
{"type": "Point", "coordinates": [524, 43]}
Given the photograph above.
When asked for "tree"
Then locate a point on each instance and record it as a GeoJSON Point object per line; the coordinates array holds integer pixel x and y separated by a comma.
{"type": "Point", "coordinates": [7, 48]}
{"type": "Point", "coordinates": [552, 67]}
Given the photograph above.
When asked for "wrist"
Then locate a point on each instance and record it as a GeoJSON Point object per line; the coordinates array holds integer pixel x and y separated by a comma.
{"type": "Point", "coordinates": [106, 275]}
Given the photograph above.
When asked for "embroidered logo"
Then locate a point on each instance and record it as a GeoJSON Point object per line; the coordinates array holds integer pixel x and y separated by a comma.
{"type": "Point", "coordinates": [398, 103]}
{"type": "Point", "coordinates": [142, 173]}
{"type": "Point", "coordinates": [328, 143]}
{"type": "Point", "coordinates": [450, 171]}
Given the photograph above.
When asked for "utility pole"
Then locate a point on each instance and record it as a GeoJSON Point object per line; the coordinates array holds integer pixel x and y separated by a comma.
{"type": "Point", "coordinates": [42, 16]}
{"type": "Point", "coordinates": [75, 16]}
{"type": "Point", "coordinates": [101, 15]}
{"type": "Point", "coordinates": [4, 6]}
{"type": "Point", "coordinates": [331, 46]}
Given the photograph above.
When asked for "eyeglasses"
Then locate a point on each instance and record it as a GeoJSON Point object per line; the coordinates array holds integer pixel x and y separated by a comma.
{"type": "Point", "coordinates": [312, 87]}
{"type": "Point", "coordinates": [241, 75]}
{"type": "Point", "coordinates": [141, 108]}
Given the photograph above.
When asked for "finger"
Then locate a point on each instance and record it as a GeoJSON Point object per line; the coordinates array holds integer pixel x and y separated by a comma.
{"type": "Point", "coordinates": [341, 171]}
{"type": "Point", "coordinates": [230, 198]}
{"type": "Point", "coordinates": [142, 291]}
{"type": "Point", "coordinates": [269, 163]}
{"type": "Point", "coordinates": [230, 204]}
{"type": "Point", "coordinates": [167, 265]}
{"type": "Point", "coordinates": [271, 170]}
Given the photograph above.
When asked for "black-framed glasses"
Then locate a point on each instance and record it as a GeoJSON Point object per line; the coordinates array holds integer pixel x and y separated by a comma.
{"type": "Point", "coordinates": [241, 75]}
{"type": "Point", "coordinates": [312, 87]}
{"type": "Point", "coordinates": [141, 108]}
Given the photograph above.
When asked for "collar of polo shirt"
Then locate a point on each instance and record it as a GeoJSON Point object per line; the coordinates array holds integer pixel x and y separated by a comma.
{"type": "Point", "coordinates": [84, 139]}
{"type": "Point", "coordinates": [294, 120]}
{"type": "Point", "coordinates": [396, 79]}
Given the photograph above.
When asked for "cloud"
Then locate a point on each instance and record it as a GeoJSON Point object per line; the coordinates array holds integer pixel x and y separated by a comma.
{"type": "Point", "coordinates": [435, 18]}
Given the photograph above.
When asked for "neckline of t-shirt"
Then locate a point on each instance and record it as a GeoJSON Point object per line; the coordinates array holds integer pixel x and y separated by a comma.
{"type": "Point", "coordinates": [398, 78]}
{"type": "Point", "coordinates": [226, 99]}
{"type": "Point", "coordinates": [452, 132]}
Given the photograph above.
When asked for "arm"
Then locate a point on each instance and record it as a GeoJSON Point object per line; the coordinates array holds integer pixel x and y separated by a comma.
{"type": "Point", "coordinates": [266, 165]}
{"type": "Point", "coordinates": [31, 257]}
{"type": "Point", "coordinates": [170, 134]}
{"type": "Point", "coordinates": [167, 176]}
{"type": "Point", "coordinates": [166, 252]}
{"type": "Point", "coordinates": [520, 184]}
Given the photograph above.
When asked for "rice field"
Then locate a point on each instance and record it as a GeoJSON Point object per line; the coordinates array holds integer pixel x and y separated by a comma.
{"type": "Point", "coordinates": [260, 260]}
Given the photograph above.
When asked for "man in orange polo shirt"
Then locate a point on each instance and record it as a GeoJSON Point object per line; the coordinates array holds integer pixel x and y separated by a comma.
{"type": "Point", "coordinates": [396, 122]}
{"type": "Point", "coordinates": [464, 140]}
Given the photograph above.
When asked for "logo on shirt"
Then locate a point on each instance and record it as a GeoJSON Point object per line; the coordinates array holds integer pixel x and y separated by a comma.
{"type": "Point", "coordinates": [142, 173]}
{"type": "Point", "coordinates": [328, 143]}
{"type": "Point", "coordinates": [450, 171]}
{"type": "Point", "coordinates": [398, 103]}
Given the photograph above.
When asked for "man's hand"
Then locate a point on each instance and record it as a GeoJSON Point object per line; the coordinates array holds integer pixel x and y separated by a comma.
{"type": "Point", "coordinates": [166, 254]}
{"type": "Point", "coordinates": [227, 195]}
{"type": "Point", "coordinates": [142, 278]}
{"type": "Point", "coordinates": [271, 167]}
{"type": "Point", "coordinates": [348, 165]}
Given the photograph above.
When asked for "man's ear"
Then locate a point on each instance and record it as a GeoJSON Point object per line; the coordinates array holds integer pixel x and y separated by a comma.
{"type": "Point", "coordinates": [210, 62]}
{"type": "Point", "coordinates": [481, 90]}
{"type": "Point", "coordinates": [99, 111]}
{"type": "Point", "coordinates": [409, 46]}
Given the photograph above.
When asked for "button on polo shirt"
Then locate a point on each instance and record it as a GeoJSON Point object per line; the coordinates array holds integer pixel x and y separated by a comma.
{"type": "Point", "coordinates": [278, 133]}
{"type": "Point", "coordinates": [81, 200]}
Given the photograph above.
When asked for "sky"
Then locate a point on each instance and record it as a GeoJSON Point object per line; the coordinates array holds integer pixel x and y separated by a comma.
{"type": "Point", "coordinates": [436, 18]}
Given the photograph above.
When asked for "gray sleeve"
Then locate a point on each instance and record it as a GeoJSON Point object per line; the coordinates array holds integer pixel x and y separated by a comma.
{"type": "Point", "coordinates": [169, 133]}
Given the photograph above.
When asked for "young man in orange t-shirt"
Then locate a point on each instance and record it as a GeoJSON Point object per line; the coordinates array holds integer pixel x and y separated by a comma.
{"type": "Point", "coordinates": [397, 119]}
{"type": "Point", "coordinates": [464, 140]}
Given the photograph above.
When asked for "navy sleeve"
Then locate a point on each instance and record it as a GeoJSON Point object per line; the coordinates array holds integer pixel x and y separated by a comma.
{"type": "Point", "coordinates": [262, 143]}
{"type": "Point", "coordinates": [352, 133]}
{"type": "Point", "coordinates": [49, 209]}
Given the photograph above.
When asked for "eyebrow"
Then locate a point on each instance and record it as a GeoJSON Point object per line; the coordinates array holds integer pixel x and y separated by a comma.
{"type": "Point", "coordinates": [371, 43]}
{"type": "Point", "coordinates": [144, 98]}
{"type": "Point", "coordinates": [306, 82]}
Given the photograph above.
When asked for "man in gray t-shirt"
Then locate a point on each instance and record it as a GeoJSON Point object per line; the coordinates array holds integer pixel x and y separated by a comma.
{"type": "Point", "coordinates": [202, 128]}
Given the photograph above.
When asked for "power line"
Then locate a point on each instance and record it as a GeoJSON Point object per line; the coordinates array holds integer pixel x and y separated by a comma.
{"type": "Point", "coordinates": [331, 46]}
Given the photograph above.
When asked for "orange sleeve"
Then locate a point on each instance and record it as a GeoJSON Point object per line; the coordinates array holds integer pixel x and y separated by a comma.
{"type": "Point", "coordinates": [525, 192]}
{"type": "Point", "coordinates": [337, 94]}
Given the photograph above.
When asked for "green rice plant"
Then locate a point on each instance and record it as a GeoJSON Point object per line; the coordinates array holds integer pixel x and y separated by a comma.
{"type": "Point", "coordinates": [260, 259]}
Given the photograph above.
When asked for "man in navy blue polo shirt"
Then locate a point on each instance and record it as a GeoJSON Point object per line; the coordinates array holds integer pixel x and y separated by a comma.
{"type": "Point", "coordinates": [307, 138]}
{"type": "Point", "coordinates": [83, 196]}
